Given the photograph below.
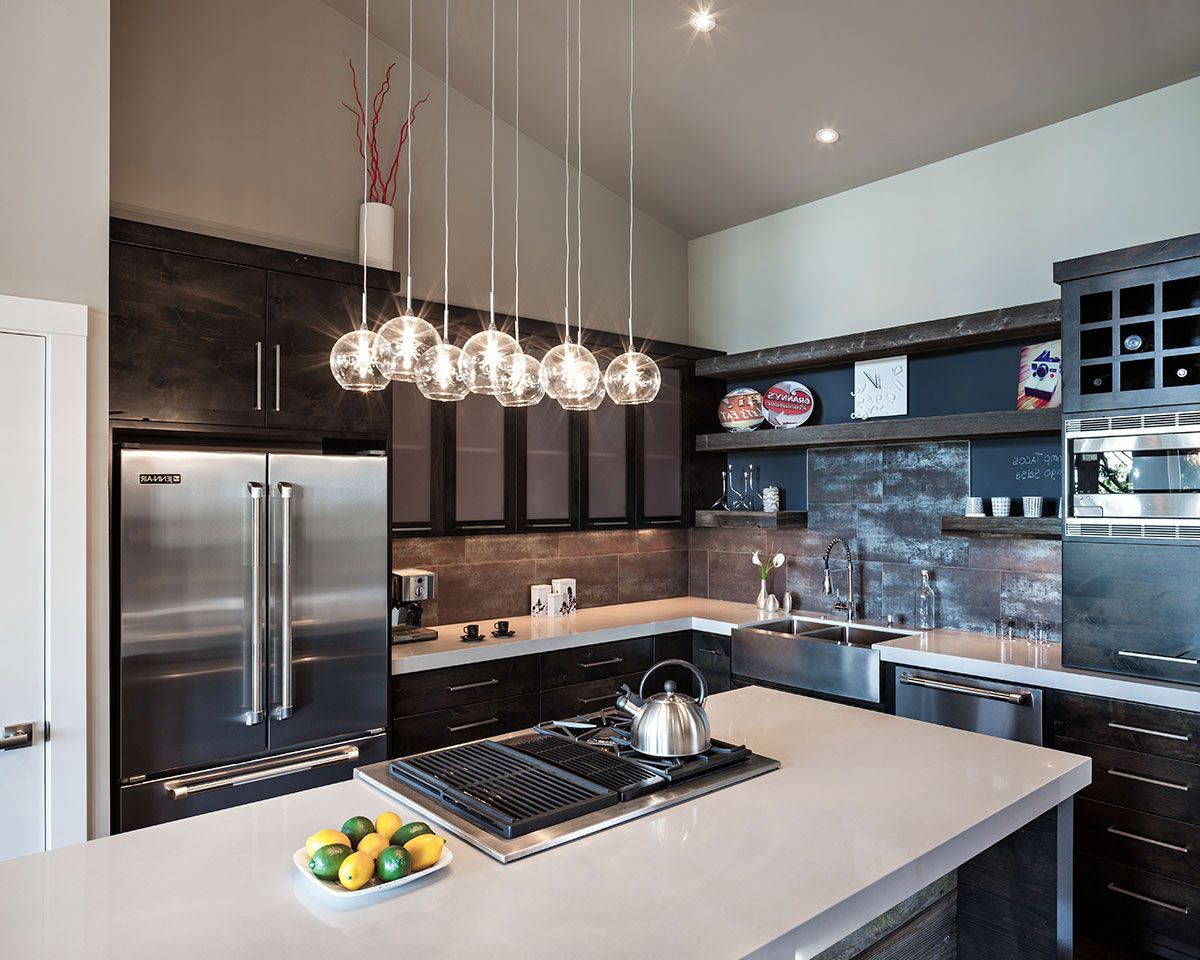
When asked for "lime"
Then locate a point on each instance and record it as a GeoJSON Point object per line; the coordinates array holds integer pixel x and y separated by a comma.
{"type": "Point", "coordinates": [393, 863]}
{"type": "Point", "coordinates": [356, 828]}
{"type": "Point", "coordinates": [408, 831]}
{"type": "Point", "coordinates": [326, 862]}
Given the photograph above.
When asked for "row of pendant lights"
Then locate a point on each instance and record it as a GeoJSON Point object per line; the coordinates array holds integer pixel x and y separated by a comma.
{"type": "Point", "coordinates": [409, 349]}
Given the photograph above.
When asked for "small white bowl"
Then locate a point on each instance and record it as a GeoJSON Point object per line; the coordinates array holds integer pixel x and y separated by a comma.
{"type": "Point", "coordinates": [376, 887]}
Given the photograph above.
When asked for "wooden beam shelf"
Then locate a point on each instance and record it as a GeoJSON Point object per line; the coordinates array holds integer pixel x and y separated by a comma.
{"type": "Point", "coordinates": [1043, 528]}
{"type": "Point", "coordinates": [752, 518]}
{"type": "Point", "coordinates": [957, 426]}
{"type": "Point", "coordinates": [1030, 320]}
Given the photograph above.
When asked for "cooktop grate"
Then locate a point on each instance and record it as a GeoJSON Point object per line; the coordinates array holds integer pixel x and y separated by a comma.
{"type": "Point", "coordinates": [627, 777]}
{"type": "Point", "coordinates": [508, 792]}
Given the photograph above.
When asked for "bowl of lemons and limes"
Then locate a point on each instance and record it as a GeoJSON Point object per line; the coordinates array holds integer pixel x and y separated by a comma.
{"type": "Point", "coordinates": [366, 856]}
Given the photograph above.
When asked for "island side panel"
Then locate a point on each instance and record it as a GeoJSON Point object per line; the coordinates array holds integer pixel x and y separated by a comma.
{"type": "Point", "coordinates": [1014, 899]}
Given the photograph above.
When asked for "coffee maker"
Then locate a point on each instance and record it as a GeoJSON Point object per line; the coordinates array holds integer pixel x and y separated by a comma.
{"type": "Point", "coordinates": [410, 589]}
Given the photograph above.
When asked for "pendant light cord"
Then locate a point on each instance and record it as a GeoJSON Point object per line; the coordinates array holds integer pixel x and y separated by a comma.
{"type": "Point", "coordinates": [579, 168]}
{"type": "Point", "coordinates": [492, 279]}
{"type": "Point", "coordinates": [446, 192]}
{"type": "Point", "coordinates": [517, 186]}
{"type": "Point", "coordinates": [567, 191]}
{"type": "Point", "coordinates": [630, 176]}
{"type": "Point", "coordinates": [365, 213]}
{"type": "Point", "coordinates": [408, 121]}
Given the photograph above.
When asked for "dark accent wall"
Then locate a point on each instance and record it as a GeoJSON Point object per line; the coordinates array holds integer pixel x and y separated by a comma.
{"type": "Point", "coordinates": [887, 501]}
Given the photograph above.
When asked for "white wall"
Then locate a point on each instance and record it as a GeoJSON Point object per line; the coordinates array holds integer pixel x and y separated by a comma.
{"type": "Point", "coordinates": [54, 59]}
{"type": "Point", "coordinates": [226, 119]}
{"type": "Point", "coordinates": [974, 232]}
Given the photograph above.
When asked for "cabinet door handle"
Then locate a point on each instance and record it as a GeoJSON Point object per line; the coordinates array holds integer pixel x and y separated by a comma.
{"type": "Point", "coordinates": [1190, 661]}
{"type": "Point", "coordinates": [602, 663]}
{"type": "Point", "coordinates": [715, 653]}
{"type": "Point", "coordinates": [1152, 733]}
{"type": "Point", "coordinates": [258, 375]}
{"type": "Point", "coordinates": [1150, 900]}
{"type": "Point", "coordinates": [1149, 780]}
{"type": "Point", "coordinates": [607, 696]}
{"type": "Point", "coordinates": [477, 723]}
{"type": "Point", "coordinates": [473, 686]}
{"type": "Point", "coordinates": [1158, 843]}
{"type": "Point", "coordinates": [278, 374]}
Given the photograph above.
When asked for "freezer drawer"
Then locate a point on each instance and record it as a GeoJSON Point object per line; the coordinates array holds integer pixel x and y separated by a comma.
{"type": "Point", "coordinates": [969, 703]}
{"type": "Point", "coordinates": [173, 798]}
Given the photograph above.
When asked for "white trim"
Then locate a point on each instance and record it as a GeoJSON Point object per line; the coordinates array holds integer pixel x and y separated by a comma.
{"type": "Point", "coordinates": [64, 327]}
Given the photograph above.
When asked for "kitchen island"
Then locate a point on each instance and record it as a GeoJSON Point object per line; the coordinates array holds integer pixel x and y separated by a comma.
{"type": "Point", "coordinates": [866, 811]}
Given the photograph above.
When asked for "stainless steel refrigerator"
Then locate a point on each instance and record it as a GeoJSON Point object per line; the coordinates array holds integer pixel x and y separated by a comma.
{"type": "Point", "coordinates": [252, 609]}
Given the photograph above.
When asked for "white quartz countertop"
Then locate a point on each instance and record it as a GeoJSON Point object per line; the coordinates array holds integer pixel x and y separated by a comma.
{"type": "Point", "coordinates": [866, 810]}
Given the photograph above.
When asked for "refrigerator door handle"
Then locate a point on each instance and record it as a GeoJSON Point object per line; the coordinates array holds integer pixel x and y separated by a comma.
{"type": "Point", "coordinates": [184, 787]}
{"type": "Point", "coordinates": [284, 709]}
{"type": "Point", "coordinates": [255, 715]}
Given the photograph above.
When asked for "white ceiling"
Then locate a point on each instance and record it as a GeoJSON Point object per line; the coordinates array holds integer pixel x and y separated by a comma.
{"type": "Point", "coordinates": [725, 122]}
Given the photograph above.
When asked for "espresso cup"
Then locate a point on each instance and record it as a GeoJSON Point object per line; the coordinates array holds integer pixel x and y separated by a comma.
{"type": "Point", "coordinates": [501, 626]}
{"type": "Point", "coordinates": [471, 630]}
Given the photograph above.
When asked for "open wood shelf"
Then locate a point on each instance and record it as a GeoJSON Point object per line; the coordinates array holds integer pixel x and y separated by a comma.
{"type": "Point", "coordinates": [958, 426]}
{"type": "Point", "coordinates": [1042, 528]}
{"type": "Point", "coordinates": [1030, 320]}
{"type": "Point", "coordinates": [752, 518]}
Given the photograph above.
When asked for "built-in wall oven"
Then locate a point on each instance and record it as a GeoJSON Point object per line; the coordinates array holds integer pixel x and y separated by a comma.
{"type": "Point", "coordinates": [1133, 476]}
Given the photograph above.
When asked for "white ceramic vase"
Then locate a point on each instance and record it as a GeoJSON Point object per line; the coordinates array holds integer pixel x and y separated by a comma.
{"type": "Point", "coordinates": [377, 230]}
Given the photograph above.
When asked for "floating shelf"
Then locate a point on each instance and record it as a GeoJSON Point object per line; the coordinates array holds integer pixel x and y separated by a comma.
{"type": "Point", "coordinates": [958, 426]}
{"type": "Point", "coordinates": [752, 518]}
{"type": "Point", "coordinates": [1030, 320]}
{"type": "Point", "coordinates": [1042, 528]}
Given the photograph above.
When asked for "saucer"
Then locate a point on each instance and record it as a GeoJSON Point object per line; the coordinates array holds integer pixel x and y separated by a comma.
{"type": "Point", "coordinates": [503, 636]}
{"type": "Point", "coordinates": [465, 639]}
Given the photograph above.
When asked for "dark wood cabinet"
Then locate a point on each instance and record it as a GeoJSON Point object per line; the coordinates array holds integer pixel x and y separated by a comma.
{"type": "Point", "coordinates": [710, 652]}
{"type": "Point", "coordinates": [547, 468]}
{"type": "Point", "coordinates": [482, 465]}
{"type": "Point", "coordinates": [661, 454]}
{"type": "Point", "coordinates": [607, 487]}
{"type": "Point", "coordinates": [597, 662]}
{"type": "Point", "coordinates": [187, 338]}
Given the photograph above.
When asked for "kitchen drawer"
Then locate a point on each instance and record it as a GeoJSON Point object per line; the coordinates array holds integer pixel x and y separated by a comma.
{"type": "Point", "coordinates": [562, 703]}
{"type": "Point", "coordinates": [1136, 904]}
{"type": "Point", "coordinates": [710, 652]}
{"type": "Point", "coordinates": [1170, 848]}
{"type": "Point", "coordinates": [563, 667]}
{"type": "Point", "coordinates": [1131, 726]}
{"type": "Point", "coordinates": [414, 693]}
{"type": "Point", "coordinates": [474, 721]}
{"type": "Point", "coordinates": [1140, 781]}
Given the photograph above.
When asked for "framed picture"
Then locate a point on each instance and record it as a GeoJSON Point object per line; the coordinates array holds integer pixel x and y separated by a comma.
{"type": "Point", "coordinates": [1039, 377]}
{"type": "Point", "coordinates": [880, 388]}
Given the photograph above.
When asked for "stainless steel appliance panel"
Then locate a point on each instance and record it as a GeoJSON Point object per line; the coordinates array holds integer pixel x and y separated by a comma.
{"type": "Point", "coordinates": [808, 663]}
{"type": "Point", "coordinates": [173, 798]}
{"type": "Point", "coordinates": [969, 703]}
{"type": "Point", "coordinates": [330, 569]}
{"type": "Point", "coordinates": [192, 609]}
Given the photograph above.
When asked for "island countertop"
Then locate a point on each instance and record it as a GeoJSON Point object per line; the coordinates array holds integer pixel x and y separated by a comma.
{"type": "Point", "coordinates": [866, 810]}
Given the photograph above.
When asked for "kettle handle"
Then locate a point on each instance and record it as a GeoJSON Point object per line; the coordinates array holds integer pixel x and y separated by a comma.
{"type": "Point", "coordinates": [676, 663]}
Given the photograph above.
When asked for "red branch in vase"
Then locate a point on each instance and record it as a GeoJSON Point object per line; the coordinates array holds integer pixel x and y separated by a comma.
{"type": "Point", "coordinates": [380, 189]}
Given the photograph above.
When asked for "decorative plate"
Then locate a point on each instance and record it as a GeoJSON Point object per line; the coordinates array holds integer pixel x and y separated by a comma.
{"type": "Point", "coordinates": [376, 887]}
{"type": "Point", "coordinates": [787, 404]}
{"type": "Point", "coordinates": [741, 410]}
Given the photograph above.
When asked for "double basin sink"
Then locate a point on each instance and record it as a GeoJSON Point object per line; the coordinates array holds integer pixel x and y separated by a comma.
{"type": "Point", "coordinates": [807, 654]}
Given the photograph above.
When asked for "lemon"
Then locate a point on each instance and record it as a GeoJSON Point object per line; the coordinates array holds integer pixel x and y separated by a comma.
{"type": "Point", "coordinates": [356, 870]}
{"type": "Point", "coordinates": [322, 838]}
{"type": "Point", "coordinates": [388, 823]}
{"type": "Point", "coordinates": [425, 850]}
{"type": "Point", "coordinates": [373, 844]}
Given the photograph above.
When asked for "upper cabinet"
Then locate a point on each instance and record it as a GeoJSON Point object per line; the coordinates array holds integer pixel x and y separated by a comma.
{"type": "Point", "coordinates": [608, 483]}
{"type": "Point", "coordinates": [483, 464]}
{"type": "Point", "coordinates": [661, 454]}
{"type": "Point", "coordinates": [548, 469]}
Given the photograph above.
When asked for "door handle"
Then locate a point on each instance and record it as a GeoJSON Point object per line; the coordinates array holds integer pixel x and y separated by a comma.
{"type": "Point", "coordinates": [16, 736]}
{"type": "Point", "coordinates": [1134, 654]}
{"type": "Point", "coordinates": [255, 714]}
{"type": "Point", "coordinates": [258, 375]}
{"type": "Point", "coordinates": [285, 707]}
{"type": "Point", "coordinates": [278, 374]}
{"type": "Point", "coordinates": [186, 787]}
{"type": "Point", "coordinates": [1016, 697]}
{"type": "Point", "coordinates": [602, 663]}
{"type": "Point", "coordinates": [471, 726]}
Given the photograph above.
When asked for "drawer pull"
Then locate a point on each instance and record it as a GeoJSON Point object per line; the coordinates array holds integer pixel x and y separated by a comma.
{"type": "Point", "coordinates": [1149, 780]}
{"type": "Point", "coordinates": [1152, 733]}
{"type": "Point", "coordinates": [1190, 661]}
{"type": "Point", "coordinates": [1150, 900]}
{"type": "Point", "coordinates": [477, 723]}
{"type": "Point", "coordinates": [1018, 698]}
{"type": "Point", "coordinates": [607, 696]}
{"type": "Point", "coordinates": [1158, 843]}
{"type": "Point", "coordinates": [715, 653]}
{"type": "Point", "coordinates": [473, 686]}
{"type": "Point", "coordinates": [301, 762]}
{"type": "Point", "coordinates": [602, 663]}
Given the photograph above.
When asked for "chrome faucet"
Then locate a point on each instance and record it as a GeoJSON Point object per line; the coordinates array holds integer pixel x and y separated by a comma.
{"type": "Point", "coordinates": [841, 606]}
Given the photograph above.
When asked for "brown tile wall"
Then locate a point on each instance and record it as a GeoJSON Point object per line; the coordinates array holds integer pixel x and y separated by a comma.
{"type": "Point", "coordinates": [485, 578]}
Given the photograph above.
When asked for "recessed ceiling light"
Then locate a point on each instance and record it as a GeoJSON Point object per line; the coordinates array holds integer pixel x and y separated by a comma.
{"type": "Point", "coordinates": [702, 21]}
{"type": "Point", "coordinates": [827, 135]}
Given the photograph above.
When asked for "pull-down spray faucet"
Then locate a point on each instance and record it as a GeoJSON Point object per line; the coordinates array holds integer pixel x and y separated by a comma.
{"type": "Point", "coordinates": [841, 606]}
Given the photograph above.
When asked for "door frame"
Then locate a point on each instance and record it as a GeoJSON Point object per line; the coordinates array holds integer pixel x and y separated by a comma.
{"type": "Point", "coordinates": [64, 328]}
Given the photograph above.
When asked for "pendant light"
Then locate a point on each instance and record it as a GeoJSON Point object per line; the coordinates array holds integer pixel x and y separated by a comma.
{"type": "Point", "coordinates": [592, 399]}
{"type": "Point", "coordinates": [569, 371]}
{"type": "Point", "coordinates": [352, 359]}
{"type": "Point", "coordinates": [632, 377]}
{"type": "Point", "coordinates": [438, 374]}
{"type": "Point", "coordinates": [485, 351]}
{"type": "Point", "coordinates": [520, 374]}
{"type": "Point", "coordinates": [401, 341]}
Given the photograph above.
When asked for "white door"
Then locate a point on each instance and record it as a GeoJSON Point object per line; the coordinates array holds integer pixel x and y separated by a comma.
{"type": "Point", "coordinates": [22, 593]}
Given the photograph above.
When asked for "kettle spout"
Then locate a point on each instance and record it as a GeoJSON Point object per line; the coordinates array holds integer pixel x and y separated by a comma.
{"type": "Point", "coordinates": [630, 702]}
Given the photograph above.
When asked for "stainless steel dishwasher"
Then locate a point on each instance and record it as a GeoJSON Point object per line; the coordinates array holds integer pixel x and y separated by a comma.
{"type": "Point", "coordinates": [1013, 712]}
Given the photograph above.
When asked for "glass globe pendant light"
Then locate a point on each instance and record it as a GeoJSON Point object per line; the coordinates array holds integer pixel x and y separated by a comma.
{"type": "Point", "coordinates": [352, 359]}
{"type": "Point", "coordinates": [439, 376]}
{"type": "Point", "coordinates": [401, 341]}
{"type": "Point", "coordinates": [632, 377]}
{"type": "Point", "coordinates": [520, 379]}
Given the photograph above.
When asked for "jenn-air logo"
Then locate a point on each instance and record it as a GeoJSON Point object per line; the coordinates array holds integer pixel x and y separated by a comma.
{"type": "Point", "coordinates": [160, 478]}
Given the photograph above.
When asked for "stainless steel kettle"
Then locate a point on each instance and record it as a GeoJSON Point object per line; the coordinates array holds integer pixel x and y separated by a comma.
{"type": "Point", "coordinates": [668, 724]}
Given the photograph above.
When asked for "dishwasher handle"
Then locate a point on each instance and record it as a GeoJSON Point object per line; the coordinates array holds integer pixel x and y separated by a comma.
{"type": "Point", "coordinates": [1018, 698]}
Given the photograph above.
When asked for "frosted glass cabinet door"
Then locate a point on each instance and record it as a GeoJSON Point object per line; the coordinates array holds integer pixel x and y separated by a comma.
{"type": "Point", "coordinates": [608, 466]}
{"type": "Point", "coordinates": [412, 459]}
{"type": "Point", "coordinates": [481, 466]}
{"type": "Point", "coordinates": [662, 451]}
{"type": "Point", "coordinates": [549, 494]}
